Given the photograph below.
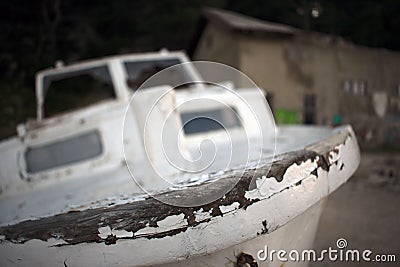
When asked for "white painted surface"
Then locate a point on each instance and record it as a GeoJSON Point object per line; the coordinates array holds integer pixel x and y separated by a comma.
{"type": "Point", "coordinates": [219, 237]}
{"type": "Point", "coordinates": [168, 224]}
{"type": "Point", "coordinates": [298, 234]}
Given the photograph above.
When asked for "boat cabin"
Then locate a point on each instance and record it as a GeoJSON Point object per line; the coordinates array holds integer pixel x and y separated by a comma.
{"type": "Point", "coordinates": [122, 124]}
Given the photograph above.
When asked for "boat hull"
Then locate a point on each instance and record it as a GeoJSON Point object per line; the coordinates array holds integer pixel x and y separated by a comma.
{"type": "Point", "coordinates": [281, 210]}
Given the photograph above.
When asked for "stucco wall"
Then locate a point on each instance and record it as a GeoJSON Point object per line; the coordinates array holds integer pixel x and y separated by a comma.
{"type": "Point", "coordinates": [264, 62]}
{"type": "Point", "coordinates": [220, 46]}
{"type": "Point", "coordinates": [327, 66]}
{"type": "Point", "coordinates": [375, 114]}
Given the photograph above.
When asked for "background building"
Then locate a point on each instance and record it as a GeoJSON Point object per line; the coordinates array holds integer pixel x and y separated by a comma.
{"type": "Point", "coordinates": [310, 77]}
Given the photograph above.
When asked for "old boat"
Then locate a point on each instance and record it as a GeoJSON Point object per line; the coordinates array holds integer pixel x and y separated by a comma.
{"type": "Point", "coordinates": [90, 183]}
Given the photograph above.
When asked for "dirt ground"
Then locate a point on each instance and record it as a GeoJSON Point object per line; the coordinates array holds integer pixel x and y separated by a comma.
{"type": "Point", "coordinates": [365, 211]}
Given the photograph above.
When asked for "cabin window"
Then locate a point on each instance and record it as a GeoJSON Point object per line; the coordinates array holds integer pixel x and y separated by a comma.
{"type": "Point", "coordinates": [210, 120]}
{"type": "Point", "coordinates": [63, 152]}
{"type": "Point", "coordinates": [139, 71]}
{"type": "Point", "coordinates": [76, 89]}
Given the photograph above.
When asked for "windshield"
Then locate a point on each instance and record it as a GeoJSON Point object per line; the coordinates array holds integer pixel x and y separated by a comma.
{"type": "Point", "coordinates": [76, 89]}
{"type": "Point", "coordinates": [139, 71]}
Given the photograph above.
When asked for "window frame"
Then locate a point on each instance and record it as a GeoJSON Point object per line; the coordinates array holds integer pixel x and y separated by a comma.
{"type": "Point", "coordinates": [40, 94]}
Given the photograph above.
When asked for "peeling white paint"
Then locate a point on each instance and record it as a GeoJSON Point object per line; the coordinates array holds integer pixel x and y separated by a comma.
{"type": "Point", "coordinates": [268, 186]}
{"type": "Point", "coordinates": [348, 158]}
{"type": "Point", "coordinates": [201, 215]}
{"type": "Point", "coordinates": [296, 173]}
{"type": "Point", "coordinates": [106, 231]}
{"type": "Point", "coordinates": [229, 208]}
{"type": "Point", "coordinates": [334, 154]}
{"type": "Point", "coordinates": [169, 223]}
{"type": "Point", "coordinates": [122, 233]}
{"type": "Point", "coordinates": [262, 188]}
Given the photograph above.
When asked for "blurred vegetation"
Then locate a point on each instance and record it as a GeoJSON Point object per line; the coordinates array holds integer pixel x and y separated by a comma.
{"type": "Point", "coordinates": [34, 34]}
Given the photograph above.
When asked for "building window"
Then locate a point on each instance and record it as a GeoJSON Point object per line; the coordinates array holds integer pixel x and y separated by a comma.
{"type": "Point", "coordinates": [362, 87]}
{"type": "Point", "coordinates": [356, 87]}
{"type": "Point", "coordinates": [347, 87]}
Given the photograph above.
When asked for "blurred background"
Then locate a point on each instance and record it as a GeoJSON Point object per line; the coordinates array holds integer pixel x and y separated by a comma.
{"type": "Point", "coordinates": [326, 62]}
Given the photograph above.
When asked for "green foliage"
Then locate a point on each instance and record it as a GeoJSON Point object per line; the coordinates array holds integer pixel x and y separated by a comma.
{"type": "Point", "coordinates": [283, 116]}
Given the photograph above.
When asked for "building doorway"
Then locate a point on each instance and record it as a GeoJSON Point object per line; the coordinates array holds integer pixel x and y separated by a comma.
{"type": "Point", "coordinates": [309, 109]}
